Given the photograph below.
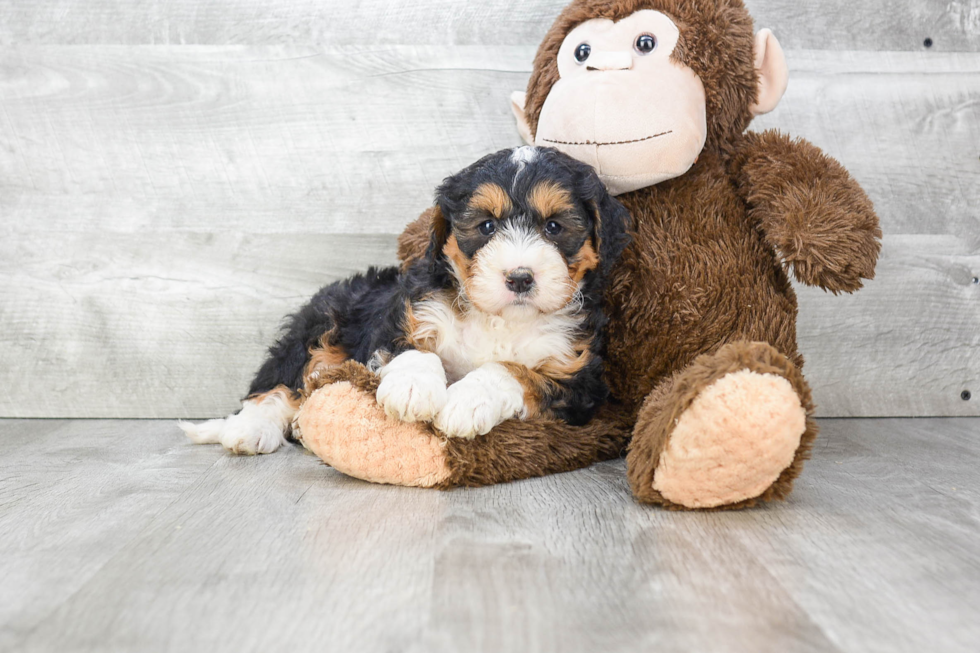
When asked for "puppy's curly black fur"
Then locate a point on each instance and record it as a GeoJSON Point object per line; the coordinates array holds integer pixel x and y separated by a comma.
{"type": "Point", "coordinates": [541, 193]}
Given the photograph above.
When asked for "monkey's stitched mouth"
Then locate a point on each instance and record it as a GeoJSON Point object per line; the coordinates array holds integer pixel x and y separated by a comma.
{"type": "Point", "coordinates": [635, 140]}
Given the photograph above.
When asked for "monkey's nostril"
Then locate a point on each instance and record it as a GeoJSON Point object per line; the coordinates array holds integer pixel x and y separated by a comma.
{"type": "Point", "coordinates": [520, 280]}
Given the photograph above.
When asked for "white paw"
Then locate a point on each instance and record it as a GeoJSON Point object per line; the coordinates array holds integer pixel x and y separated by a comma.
{"type": "Point", "coordinates": [413, 387]}
{"type": "Point", "coordinates": [479, 401]}
{"type": "Point", "coordinates": [256, 428]}
{"type": "Point", "coordinates": [252, 436]}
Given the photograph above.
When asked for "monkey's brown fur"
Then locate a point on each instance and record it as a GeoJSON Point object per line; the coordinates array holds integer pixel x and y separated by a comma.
{"type": "Point", "coordinates": [518, 449]}
{"type": "Point", "coordinates": [703, 289]}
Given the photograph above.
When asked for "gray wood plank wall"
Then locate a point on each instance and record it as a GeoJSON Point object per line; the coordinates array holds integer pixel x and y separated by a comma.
{"type": "Point", "coordinates": [175, 176]}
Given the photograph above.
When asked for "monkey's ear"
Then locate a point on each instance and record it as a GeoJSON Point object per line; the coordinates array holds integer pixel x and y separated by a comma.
{"type": "Point", "coordinates": [517, 99]}
{"type": "Point", "coordinates": [770, 64]}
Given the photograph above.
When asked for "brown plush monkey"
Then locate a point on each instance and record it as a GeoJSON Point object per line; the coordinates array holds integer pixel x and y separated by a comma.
{"type": "Point", "coordinates": [702, 360]}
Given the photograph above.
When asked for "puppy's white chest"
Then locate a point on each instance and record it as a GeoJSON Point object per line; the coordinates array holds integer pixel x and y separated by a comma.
{"type": "Point", "coordinates": [493, 340]}
{"type": "Point", "coordinates": [464, 343]}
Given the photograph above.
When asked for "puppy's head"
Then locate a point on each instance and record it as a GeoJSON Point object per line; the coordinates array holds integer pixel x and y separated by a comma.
{"type": "Point", "coordinates": [522, 231]}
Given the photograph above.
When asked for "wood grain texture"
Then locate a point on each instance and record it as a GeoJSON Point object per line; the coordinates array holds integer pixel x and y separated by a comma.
{"type": "Point", "coordinates": [163, 207]}
{"type": "Point", "coordinates": [354, 140]}
{"type": "Point", "coordinates": [122, 536]}
{"type": "Point", "coordinates": [72, 494]}
{"type": "Point", "coordinates": [908, 343]}
{"type": "Point", "coordinates": [291, 139]}
{"type": "Point", "coordinates": [153, 324]}
{"type": "Point", "coordinates": [832, 25]}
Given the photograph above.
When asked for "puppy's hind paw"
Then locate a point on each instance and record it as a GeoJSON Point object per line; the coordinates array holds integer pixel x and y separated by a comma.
{"type": "Point", "coordinates": [208, 432]}
{"type": "Point", "coordinates": [259, 427]}
{"type": "Point", "coordinates": [251, 437]}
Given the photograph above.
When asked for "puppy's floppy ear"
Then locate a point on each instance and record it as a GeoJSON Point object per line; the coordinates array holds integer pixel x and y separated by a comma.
{"type": "Point", "coordinates": [451, 198]}
{"type": "Point", "coordinates": [611, 225]}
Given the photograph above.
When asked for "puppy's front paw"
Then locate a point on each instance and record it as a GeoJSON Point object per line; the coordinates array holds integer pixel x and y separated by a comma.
{"type": "Point", "coordinates": [413, 387]}
{"type": "Point", "coordinates": [479, 401]}
{"type": "Point", "coordinates": [412, 397]}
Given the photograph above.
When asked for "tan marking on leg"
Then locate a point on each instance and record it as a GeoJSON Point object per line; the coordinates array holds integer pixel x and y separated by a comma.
{"type": "Point", "coordinates": [548, 198]}
{"type": "Point", "coordinates": [291, 397]}
{"type": "Point", "coordinates": [411, 325]}
{"type": "Point", "coordinates": [535, 386]}
{"type": "Point", "coordinates": [322, 358]}
{"type": "Point", "coordinates": [491, 198]}
{"type": "Point", "coordinates": [567, 368]}
{"type": "Point", "coordinates": [424, 333]}
{"type": "Point", "coordinates": [418, 334]}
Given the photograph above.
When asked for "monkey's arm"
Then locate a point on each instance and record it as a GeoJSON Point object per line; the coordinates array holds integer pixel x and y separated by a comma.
{"type": "Point", "coordinates": [414, 241]}
{"type": "Point", "coordinates": [811, 211]}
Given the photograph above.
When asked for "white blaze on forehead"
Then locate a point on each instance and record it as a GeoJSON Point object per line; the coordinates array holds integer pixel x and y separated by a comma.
{"type": "Point", "coordinates": [522, 156]}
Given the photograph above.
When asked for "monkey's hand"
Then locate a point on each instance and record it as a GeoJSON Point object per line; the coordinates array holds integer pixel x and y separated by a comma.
{"type": "Point", "coordinates": [414, 241]}
{"type": "Point", "coordinates": [811, 211]}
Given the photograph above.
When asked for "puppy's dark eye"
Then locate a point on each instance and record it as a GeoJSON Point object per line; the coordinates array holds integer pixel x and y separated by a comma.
{"type": "Point", "coordinates": [487, 228]}
{"type": "Point", "coordinates": [645, 43]}
{"type": "Point", "coordinates": [582, 52]}
{"type": "Point", "coordinates": [552, 228]}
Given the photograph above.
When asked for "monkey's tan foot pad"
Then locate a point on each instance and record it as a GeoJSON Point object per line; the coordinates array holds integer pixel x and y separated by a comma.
{"type": "Point", "coordinates": [346, 428]}
{"type": "Point", "coordinates": [732, 442]}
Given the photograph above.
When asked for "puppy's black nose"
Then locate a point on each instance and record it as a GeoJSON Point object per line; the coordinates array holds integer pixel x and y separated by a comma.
{"type": "Point", "coordinates": [520, 280]}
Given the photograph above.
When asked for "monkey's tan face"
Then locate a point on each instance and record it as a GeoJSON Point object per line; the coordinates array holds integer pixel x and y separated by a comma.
{"type": "Point", "coordinates": [622, 105]}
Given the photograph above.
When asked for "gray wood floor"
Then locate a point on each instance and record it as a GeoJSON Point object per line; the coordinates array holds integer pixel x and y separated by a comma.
{"type": "Point", "coordinates": [120, 536]}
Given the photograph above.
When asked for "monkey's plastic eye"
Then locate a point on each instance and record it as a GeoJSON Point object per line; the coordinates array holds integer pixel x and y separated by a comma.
{"type": "Point", "coordinates": [552, 228]}
{"type": "Point", "coordinates": [487, 228]}
{"type": "Point", "coordinates": [582, 52]}
{"type": "Point", "coordinates": [645, 43]}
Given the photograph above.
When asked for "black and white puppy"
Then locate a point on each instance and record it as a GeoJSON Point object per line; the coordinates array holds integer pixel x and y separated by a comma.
{"type": "Point", "coordinates": [503, 318]}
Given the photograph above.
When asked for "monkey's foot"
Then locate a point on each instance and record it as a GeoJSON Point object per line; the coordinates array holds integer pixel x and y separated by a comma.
{"type": "Point", "coordinates": [342, 423]}
{"type": "Point", "coordinates": [730, 429]}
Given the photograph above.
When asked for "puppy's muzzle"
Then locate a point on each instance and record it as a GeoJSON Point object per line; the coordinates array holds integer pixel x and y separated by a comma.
{"type": "Point", "coordinates": [520, 281]}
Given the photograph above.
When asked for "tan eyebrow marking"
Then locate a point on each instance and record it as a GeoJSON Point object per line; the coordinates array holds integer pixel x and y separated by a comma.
{"type": "Point", "coordinates": [491, 198]}
{"type": "Point", "coordinates": [548, 198]}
